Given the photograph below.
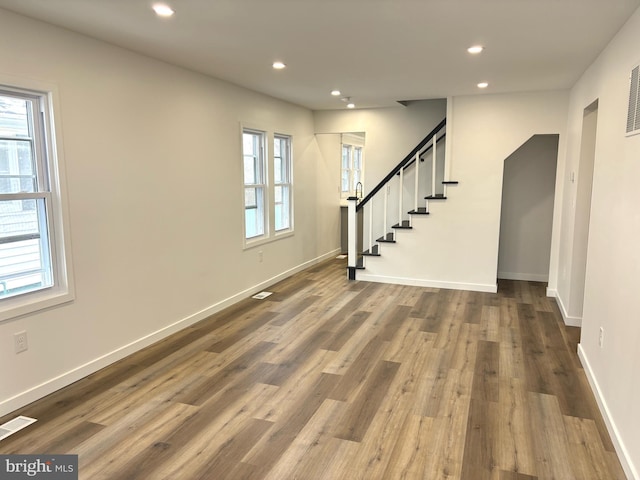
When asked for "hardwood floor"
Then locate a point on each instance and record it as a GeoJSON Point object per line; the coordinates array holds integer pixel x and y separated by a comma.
{"type": "Point", "coordinates": [330, 379]}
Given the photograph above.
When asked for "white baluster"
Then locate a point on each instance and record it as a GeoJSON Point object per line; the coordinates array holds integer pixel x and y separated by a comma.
{"type": "Point", "coordinates": [371, 226]}
{"type": "Point", "coordinates": [386, 199]}
{"type": "Point", "coordinates": [433, 168]}
{"type": "Point", "coordinates": [415, 202]}
{"type": "Point", "coordinates": [352, 259]}
{"type": "Point", "coordinates": [400, 196]}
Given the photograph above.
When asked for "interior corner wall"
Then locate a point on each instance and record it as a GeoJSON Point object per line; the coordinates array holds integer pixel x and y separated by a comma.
{"type": "Point", "coordinates": [612, 282]}
{"type": "Point", "coordinates": [155, 205]}
{"type": "Point", "coordinates": [488, 129]}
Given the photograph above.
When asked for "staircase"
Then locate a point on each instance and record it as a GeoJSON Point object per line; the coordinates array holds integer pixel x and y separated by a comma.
{"type": "Point", "coordinates": [393, 205]}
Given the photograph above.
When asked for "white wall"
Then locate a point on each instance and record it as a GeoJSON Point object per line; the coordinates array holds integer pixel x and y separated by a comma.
{"type": "Point", "coordinates": [391, 133]}
{"type": "Point", "coordinates": [153, 168]}
{"type": "Point", "coordinates": [489, 128]}
{"type": "Point", "coordinates": [526, 220]}
{"type": "Point", "coordinates": [611, 299]}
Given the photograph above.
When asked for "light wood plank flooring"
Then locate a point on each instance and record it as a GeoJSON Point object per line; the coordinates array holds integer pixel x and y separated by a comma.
{"type": "Point", "coordinates": [331, 379]}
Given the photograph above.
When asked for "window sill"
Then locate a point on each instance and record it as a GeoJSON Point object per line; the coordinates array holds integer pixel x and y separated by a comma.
{"type": "Point", "coordinates": [249, 244]}
{"type": "Point", "coordinates": [29, 303]}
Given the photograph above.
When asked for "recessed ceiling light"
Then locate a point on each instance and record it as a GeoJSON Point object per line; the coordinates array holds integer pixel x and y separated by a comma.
{"type": "Point", "coordinates": [475, 49]}
{"type": "Point", "coordinates": [163, 10]}
{"type": "Point", "coordinates": [335, 93]}
{"type": "Point", "coordinates": [351, 105]}
{"type": "Point", "coordinates": [483, 85]}
{"type": "Point", "coordinates": [278, 65]}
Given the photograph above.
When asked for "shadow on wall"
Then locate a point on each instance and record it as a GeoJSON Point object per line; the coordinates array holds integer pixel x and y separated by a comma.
{"type": "Point", "coordinates": [528, 190]}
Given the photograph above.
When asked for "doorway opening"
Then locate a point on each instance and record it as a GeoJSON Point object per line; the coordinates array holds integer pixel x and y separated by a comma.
{"type": "Point", "coordinates": [526, 221]}
{"type": "Point", "coordinates": [583, 209]}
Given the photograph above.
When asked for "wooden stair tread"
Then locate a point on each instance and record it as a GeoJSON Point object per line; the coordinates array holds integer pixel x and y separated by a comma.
{"type": "Point", "coordinates": [388, 238]}
{"type": "Point", "coordinates": [372, 252]}
{"type": "Point", "coordinates": [403, 225]}
{"type": "Point", "coordinates": [419, 211]}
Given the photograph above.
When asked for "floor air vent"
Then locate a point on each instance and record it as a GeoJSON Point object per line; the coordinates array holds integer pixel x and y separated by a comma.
{"type": "Point", "coordinates": [262, 295]}
{"type": "Point", "coordinates": [12, 426]}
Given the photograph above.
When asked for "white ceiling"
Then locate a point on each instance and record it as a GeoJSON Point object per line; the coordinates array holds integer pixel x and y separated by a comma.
{"type": "Point", "coordinates": [375, 51]}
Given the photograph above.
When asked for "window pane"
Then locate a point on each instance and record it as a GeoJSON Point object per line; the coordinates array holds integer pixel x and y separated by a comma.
{"type": "Point", "coordinates": [254, 216]}
{"type": "Point", "coordinates": [251, 222]}
{"type": "Point", "coordinates": [17, 173]}
{"type": "Point", "coordinates": [276, 147]}
{"type": "Point", "coordinates": [248, 144]}
{"type": "Point", "coordinates": [250, 197]}
{"type": "Point", "coordinates": [282, 208]}
{"type": "Point", "coordinates": [345, 156]}
{"type": "Point", "coordinates": [277, 170]}
{"type": "Point", "coordinates": [253, 171]}
{"type": "Point", "coordinates": [25, 263]}
{"type": "Point", "coordinates": [345, 181]}
{"type": "Point", "coordinates": [281, 159]}
{"type": "Point", "coordinates": [14, 117]}
{"type": "Point", "coordinates": [17, 220]}
{"type": "Point", "coordinates": [357, 158]}
{"type": "Point", "coordinates": [249, 170]}
{"type": "Point", "coordinates": [356, 179]}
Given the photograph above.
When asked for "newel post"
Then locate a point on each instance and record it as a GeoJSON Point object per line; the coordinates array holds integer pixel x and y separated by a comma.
{"type": "Point", "coordinates": [352, 255]}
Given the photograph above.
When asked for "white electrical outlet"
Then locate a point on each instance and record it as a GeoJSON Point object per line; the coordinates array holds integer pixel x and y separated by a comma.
{"type": "Point", "coordinates": [260, 256]}
{"type": "Point", "coordinates": [20, 341]}
{"type": "Point", "coordinates": [601, 337]}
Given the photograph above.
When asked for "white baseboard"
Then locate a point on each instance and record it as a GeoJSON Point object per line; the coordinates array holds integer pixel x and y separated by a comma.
{"type": "Point", "coordinates": [623, 454]}
{"type": "Point", "coordinates": [527, 277]}
{"type": "Point", "coordinates": [569, 321]}
{"type": "Point", "coordinates": [28, 396]}
{"type": "Point", "coordinates": [418, 282]}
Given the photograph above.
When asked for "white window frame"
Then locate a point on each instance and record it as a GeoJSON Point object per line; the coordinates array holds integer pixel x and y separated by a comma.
{"type": "Point", "coordinates": [286, 182]}
{"type": "Point", "coordinates": [260, 185]}
{"type": "Point", "coordinates": [50, 194]}
{"type": "Point", "coordinates": [270, 234]}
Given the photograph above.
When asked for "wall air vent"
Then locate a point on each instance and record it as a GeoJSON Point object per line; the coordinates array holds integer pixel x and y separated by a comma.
{"type": "Point", "coordinates": [633, 115]}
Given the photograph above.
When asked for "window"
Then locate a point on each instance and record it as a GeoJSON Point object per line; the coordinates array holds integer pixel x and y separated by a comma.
{"type": "Point", "coordinates": [352, 166]}
{"type": "Point", "coordinates": [254, 183]}
{"type": "Point", "coordinates": [282, 182]}
{"type": "Point", "coordinates": [32, 264]}
{"type": "Point", "coordinates": [268, 186]}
